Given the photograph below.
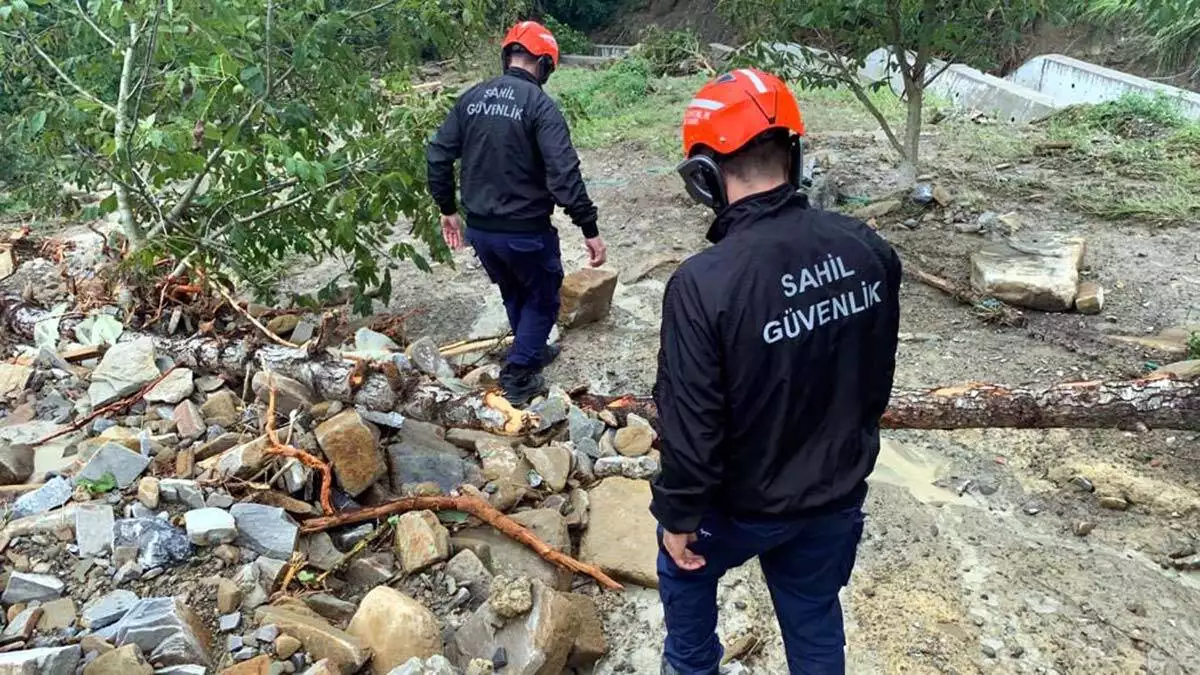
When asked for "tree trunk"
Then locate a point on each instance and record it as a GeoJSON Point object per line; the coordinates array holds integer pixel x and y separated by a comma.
{"type": "Point", "coordinates": [121, 136]}
{"type": "Point", "coordinates": [910, 167]}
{"type": "Point", "coordinates": [1156, 402]}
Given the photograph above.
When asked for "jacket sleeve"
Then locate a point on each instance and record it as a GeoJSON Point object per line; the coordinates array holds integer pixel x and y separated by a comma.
{"type": "Point", "coordinates": [440, 155]}
{"type": "Point", "coordinates": [691, 407]}
{"type": "Point", "coordinates": [562, 167]}
{"type": "Point", "coordinates": [889, 340]}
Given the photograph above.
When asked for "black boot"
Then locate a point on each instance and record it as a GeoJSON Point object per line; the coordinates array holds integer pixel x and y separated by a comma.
{"type": "Point", "coordinates": [521, 384]}
{"type": "Point", "coordinates": [549, 354]}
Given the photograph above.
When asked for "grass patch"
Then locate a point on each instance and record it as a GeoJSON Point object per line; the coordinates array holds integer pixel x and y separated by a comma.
{"type": "Point", "coordinates": [624, 103]}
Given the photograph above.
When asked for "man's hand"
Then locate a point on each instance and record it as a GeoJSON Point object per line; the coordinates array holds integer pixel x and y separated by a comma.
{"type": "Point", "coordinates": [677, 548]}
{"type": "Point", "coordinates": [452, 231]}
{"type": "Point", "coordinates": [597, 251]}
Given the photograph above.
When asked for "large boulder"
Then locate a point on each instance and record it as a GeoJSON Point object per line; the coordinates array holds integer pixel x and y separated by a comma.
{"type": "Point", "coordinates": [621, 536]}
{"type": "Point", "coordinates": [586, 296]}
{"type": "Point", "coordinates": [269, 530]}
{"type": "Point", "coordinates": [396, 628]}
{"type": "Point", "coordinates": [125, 368]}
{"type": "Point", "coordinates": [421, 540]}
{"type": "Point", "coordinates": [167, 630]}
{"type": "Point", "coordinates": [42, 661]}
{"type": "Point", "coordinates": [514, 559]}
{"type": "Point", "coordinates": [16, 463]}
{"type": "Point", "coordinates": [351, 444]}
{"type": "Point", "coordinates": [321, 640]}
{"type": "Point", "coordinates": [538, 644]}
{"type": "Point", "coordinates": [1037, 270]}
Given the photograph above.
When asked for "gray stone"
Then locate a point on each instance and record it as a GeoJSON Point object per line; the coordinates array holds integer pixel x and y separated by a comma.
{"type": "Point", "coordinates": [189, 421]}
{"type": "Point", "coordinates": [540, 642]}
{"type": "Point", "coordinates": [26, 587]}
{"type": "Point", "coordinates": [294, 474]}
{"type": "Point", "coordinates": [210, 527]}
{"type": "Point", "coordinates": [189, 669]}
{"type": "Point", "coordinates": [166, 630]}
{"type": "Point", "coordinates": [426, 357]}
{"type": "Point", "coordinates": [159, 544]}
{"type": "Point", "coordinates": [409, 469]}
{"type": "Point", "coordinates": [181, 491]}
{"type": "Point", "coordinates": [468, 570]}
{"type": "Point", "coordinates": [42, 661]}
{"type": "Point", "coordinates": [511, 558]}
{"type": "Point", "coordinates": [581, 427]}
{"type": "Point", "coordinates": [249, 581]}
{"type": "Point", "coordinates": [16, 463]}
{"type": "Point", "coordinates": [368, 571]}
{"type": "Point", "coordinates": [228, 623]}
{"type": "Point", "coordinates": [56, 492]}
{"type": "Point", "coordinates": [94, 529]}
{"type": "Point", "coordinates": [219, 500]}
{"type": "Point", "coordinates": [267, 633]}
{"type": "Point", "coordinates": [640, 468]}
{"type": "Point", "coordinates": [23, 625]}
{"type": "Point", "coordinates": [345, 538]}
{"type": "Point", "coordinates": [333, 608]}
{"type": "Point", "coordinates": [244, 654]}
{"type": "Point", "coordinates": [125, 368]}
{"type": "Point", "coordinates": [1035, 270]}
{"type": "Point", "coordinates": [553, 464]}
{"type": "Point", "coordinates": [289, 394]}
{"type": "Point", "coordinates": [265, 529]}
{"type": "Point", "coordinates": [393, 420]}
{"type": "Point", "coordinates": [318, 549]}
{"type": "Point", "coordinates": [107, 609]}
{"type": "Point", "coordinates": [124, 464]}
{"type": "Point", "coordinates": [173, 388]}
{"type": "Point", "coordinates": [553, 409]}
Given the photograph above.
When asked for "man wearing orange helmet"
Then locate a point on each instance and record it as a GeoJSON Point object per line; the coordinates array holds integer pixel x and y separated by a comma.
{"type": "Point", "coordinates": [517, 164]}
{"type": "Point", "coordinates": [776, 363]}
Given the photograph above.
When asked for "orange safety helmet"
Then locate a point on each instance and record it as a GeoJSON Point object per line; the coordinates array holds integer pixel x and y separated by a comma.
{"type": "Point", "coordinates": [534, 38]}
{"type": "Point", "coordinates": [728, 113]}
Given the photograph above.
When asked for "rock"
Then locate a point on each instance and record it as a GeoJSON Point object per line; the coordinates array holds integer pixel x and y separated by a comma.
{"type": "Point", "coordinates": [446, 471]}
{"type": "Point", "coordinates": [107, 609]}
{"type": "Point", "coordinates": [148, 492]}
{"type": "Point", "coordinates": [468, 570]}
{"type": "Point", "coordinates": [210, 527]}
{"type": "Point", "coordinates": [324, 667]}
{"type": "Point", "coordinates": [634, 441]}
{"type": "Point", "coordinates": [482, 377]}
{"type": "Point", "coordinates": [420, 541]}
{"type": "Point", "coordinates": [283, 325]}
{"type": "Point", "coordinates": [553, 409]}
{"type": "Point", "coordinates": [158, 543]}
{"type": "Point", "coordinates": [1183, 370]}
{"type": "Point", "coordinates": [229, 596]}
{"type": "Point", "coordinates": [511, 597]}
{"type": "Point", "coordinates": [396, 628]}
{"type": "Point", "coordinates": [246, 460]}
{"type": "Point", "coordinates": [22, 626]}
{"type": "Point", "coordinates": [514, 559]}
{"type": "Point", "coordinates": [586, 296]}
{"type": "Point", "coordinates": [392, 420]}
{"type": "Point", "coordinates": [56, 492]}
{"type": "Point", "coordinates": [468, 439]}
{"type": "Point", "coordinates": [16, 463]}
{"type": "Point", "coordinates": [124, 661]}
{"type": "Point", "coordinates": [229, 622]}
{"type": "Point", "coordinates": [580, 506]}
{"type": "Point", "coordinates": [368, 571]}
{"type": "Point", "coordinates": [285, 646]}
{"type": "Point", "coordinates": [620, 538]}
{"type": "Point", "coordinates": [537, 645]}
{"type": "Point", "coordinates": [42, 661]}
{"type": "Point", "coordinates": [590, 643]}
{"type": "Point", "coordinates": [95, 643]}
{"type": "Point", "coordinates": [350, 444]}
{"type": "Point", "coordinates": [876, 209]}
{"type": "Point", "coordinates": [14, 377]}
{"type": "Point", "coordinates": [942, 196]}
{"type": "Point", "coordinates": [289, 394]}
{"type": "Point", "coordinates": [321, 640]}
{"type": "Point", "coordinates": [124, 464]}
{"type": "Point", "coordinates": [318, 549]}
{"type": "Point", "coordinates": [553, 464]}
{"type": "Point", "coordinates": [640, 468]}
{"type": "Point", "coordinates": [1083, 528]}
{"type": "Point", "coordinates": [94, 529]}
{"type": "Point", "coordinates": [1089, 299]}
{"type": "Point", "coordinates": [218, 500]}
{"type": "Point", "coordinates": [165, 629]}
{"type": "Point", "coordinates": [189, 421]}
{"type": "Point", "coordinates": [250, 664]}
{"type": "Point", "coordinates": [507, 470]}
{"type": "Point", "coordinates": [333, 608]}
{"type": "Point", "coordinates": [1038, 271]}
{"type": "Point", "coordinates": [185, 463]}
{"type": "Point", "coordinates": [221, 405]}
{"type": "Point", "coordinates": [581, 427]}
{"type": "Point", "coordinates": [57, 615]}
{"type": "Point", "coordinates": [26, 587]}
{"type": "Point", "coordinates": [265, 529]}
{"type": "Point", "coordinates": [1082, 484]}
{"type": "Point", "coordinates": [125, 368]}
{"type": "Point", "coordinates": [480, 667]}
{"type": "Point", "coordinates": [428, 359]}
{"type": "Point", "coordinates": [175, 387]}
{"type": "Point", "coordinates": [1113, 502]}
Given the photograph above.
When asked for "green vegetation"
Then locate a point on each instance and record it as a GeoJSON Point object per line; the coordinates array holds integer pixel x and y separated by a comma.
{"type": "Point", "coordinates": [104, 484]}
{"type": "Point", "coordinates": [582, 15]}
{"type": "Point", "coordinates": [1193, 345]}
{"type": "Point", "coordinates": [1168, 31]}
{"type": "Point", "coordinates": [570, 40]}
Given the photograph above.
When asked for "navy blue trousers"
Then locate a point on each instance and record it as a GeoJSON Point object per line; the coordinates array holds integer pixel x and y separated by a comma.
{"type": "Point", "coordinates": [805, 562]}
{"type": "Point", "coordinates": [528, 269]}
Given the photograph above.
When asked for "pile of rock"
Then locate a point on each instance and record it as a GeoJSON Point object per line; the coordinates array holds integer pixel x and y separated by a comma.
{"type": "Point", "coordinates": [168, 539]}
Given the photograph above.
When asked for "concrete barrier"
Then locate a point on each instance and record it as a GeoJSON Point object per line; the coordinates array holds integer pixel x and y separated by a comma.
{"type": "Point", "coordinates": [1070, 81]}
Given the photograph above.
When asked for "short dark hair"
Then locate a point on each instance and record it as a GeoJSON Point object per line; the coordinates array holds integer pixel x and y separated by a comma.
{"type": "Point", "coordinates": [765, 156]}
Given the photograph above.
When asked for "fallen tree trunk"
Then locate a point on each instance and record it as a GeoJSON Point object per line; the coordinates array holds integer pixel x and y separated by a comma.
{"type": "Point", "coordinates": [1155, 402]}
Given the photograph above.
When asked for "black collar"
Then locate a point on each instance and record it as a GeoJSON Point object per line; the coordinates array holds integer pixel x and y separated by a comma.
{"type": "Point", "coordinates": [750, 210]}
{"type": "Point", "coordinates": [513, 71]}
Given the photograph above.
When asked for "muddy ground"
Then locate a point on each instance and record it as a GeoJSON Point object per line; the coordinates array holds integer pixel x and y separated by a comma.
{"type": "Point", "coordinates": [970, 561]}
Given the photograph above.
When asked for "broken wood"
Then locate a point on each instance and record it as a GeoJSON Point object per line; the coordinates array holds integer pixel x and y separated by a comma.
{"type": "Point", "coordinates": [9, 490]}
{"type": "Point", "coordinates": [469, 346]}
{"type": "Point", "coordinates": [474, 506]}
{"type": "Point", "coordinates": [81, 353]}
{"type": "Point", "coordinates": [1157, 402]}
{"type": "Point", "coordinates": [988, 309]}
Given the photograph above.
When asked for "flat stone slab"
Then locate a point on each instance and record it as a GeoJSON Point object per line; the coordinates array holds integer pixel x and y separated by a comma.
{"type": "Point", "coordinates": [1035, 270]}
{"type": "Point", "coordinates": [124, 464]}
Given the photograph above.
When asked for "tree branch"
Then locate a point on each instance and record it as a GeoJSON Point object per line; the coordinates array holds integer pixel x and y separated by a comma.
{"type": "Point", "coordinates": [64, 77]}
{"type": "Point", "coordinates": [129, 224]}
{"type": "Point", "coordinates": [850, 79]}
{"type": "Point", "coordinates": [373, 8]}
{"type": "Point", "coordinates": [99, 31]}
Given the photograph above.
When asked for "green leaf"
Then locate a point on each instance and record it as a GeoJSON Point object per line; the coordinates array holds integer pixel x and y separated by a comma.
{"type": "Point", "coordinates": [37, 122]}
{"type": "Point", "coordinates": [452, 517]}
{"type": "Point", "coordinates": [106, 483]}
{"type": "Point", "coordinates": [306, 577]}
{"type": "Point", "coordinates": [108, 205]}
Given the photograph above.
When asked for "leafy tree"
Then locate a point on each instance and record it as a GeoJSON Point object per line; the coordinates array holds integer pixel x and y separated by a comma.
{"type": "Point", "coordinates": [916, 32]}
{"type": "Point", "coordinates": [1168, 30]}
{"type": "Point", "coordinates": [582, 15]}
{"type": "Point", "coordinates": [236, 134]}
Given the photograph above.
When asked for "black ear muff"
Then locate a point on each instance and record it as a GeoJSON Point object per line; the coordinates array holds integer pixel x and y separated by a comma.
{"type": "Point", "coordinates": [796, 159]}
{"type": "Point", "coordinates": [545, 68]}
{"type": "Point", "coordinates": [702, 178]}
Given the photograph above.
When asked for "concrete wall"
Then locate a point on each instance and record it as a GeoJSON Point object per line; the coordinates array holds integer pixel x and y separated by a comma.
{"type": "Point", "coordinates": [1070, 81]}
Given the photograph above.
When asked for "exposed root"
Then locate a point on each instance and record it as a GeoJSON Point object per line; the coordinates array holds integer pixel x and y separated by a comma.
{"type": "Point", "coordinates": [278, 448]}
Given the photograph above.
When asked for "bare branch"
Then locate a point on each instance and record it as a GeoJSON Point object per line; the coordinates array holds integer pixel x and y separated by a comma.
{"type": "Point", "coordinates": [850, 79]}
{"type": "Point", "coordinates": [373, 8]}
{"type": "Point", "coordinates": [99, 31]}
{"type": "Point", "coordinates": [944, 68]}
{"type": "Point", "coordinates": [129, 223]}
{"type": "Point", "coordinates": [66, 78]}
{"type": "Point", "coordinates": [279, 207]}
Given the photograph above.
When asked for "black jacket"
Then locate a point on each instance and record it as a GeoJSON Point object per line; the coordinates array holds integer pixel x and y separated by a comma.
{"type": "Point", "coordinates": [517, 159]}
{"type": "Point", "coordinates": [776, 363]}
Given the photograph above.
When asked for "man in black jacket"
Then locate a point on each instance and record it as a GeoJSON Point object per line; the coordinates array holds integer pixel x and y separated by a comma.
{"type": "Point", "coordinates": [776, 364]}
{"type": "Point", "coordinates": [517, 164]}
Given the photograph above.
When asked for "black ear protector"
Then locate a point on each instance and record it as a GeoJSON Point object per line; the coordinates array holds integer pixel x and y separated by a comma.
{"type": "Point", "coordinates": [545, 63]}
{"type": "Point", "coordinates": [704, 181]}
